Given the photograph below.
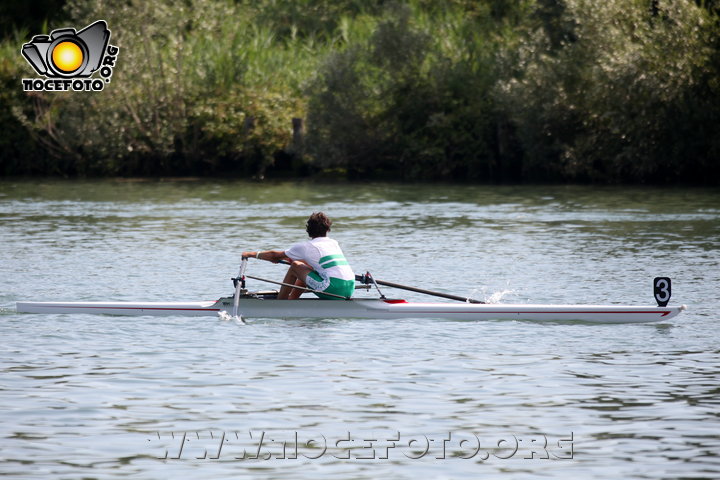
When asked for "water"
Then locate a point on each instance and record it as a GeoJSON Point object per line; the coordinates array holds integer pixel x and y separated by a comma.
{"type": "Point", "coordinates": [104, 397]}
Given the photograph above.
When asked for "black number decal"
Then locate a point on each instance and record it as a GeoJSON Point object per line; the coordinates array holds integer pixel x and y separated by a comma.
{"type": "Point", "coordinates": [662, 290]}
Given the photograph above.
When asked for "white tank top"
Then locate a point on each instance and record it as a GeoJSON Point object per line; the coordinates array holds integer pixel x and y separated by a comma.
{"type": "Point", "coordinates": [324, 255]}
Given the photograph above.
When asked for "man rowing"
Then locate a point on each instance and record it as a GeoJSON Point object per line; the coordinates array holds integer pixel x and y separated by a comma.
{"type": "Point", "coordinates": [318, 263]}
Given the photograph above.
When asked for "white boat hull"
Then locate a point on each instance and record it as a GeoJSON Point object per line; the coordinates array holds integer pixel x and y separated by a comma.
{"type": "Point", "coordinates": [364, 308]}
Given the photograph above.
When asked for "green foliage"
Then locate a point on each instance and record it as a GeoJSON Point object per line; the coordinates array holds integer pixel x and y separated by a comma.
{"type": "Point", "coordinates": [244, 129]}
{"type": "Point", "coordinates": [484, 90]}
{"type": "Point", "coordinates": [18, 151]}
{"type": "Point", "coordinates": [31, 15]}
{"type": "Point", "coordinates": [181, 70]}
{"type": "Point", "coordinates": [309, 18]}
{"type": "Point", "coordinates": [408, 100]}
{"type": "Point", "coordinates": [616, 101]}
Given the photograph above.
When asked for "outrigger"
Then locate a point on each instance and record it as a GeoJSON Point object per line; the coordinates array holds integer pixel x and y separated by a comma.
{"type": "Point", "coordinates": [264, 304]}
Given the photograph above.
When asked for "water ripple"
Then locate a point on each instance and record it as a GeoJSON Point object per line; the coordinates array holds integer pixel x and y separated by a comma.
{"type": "Point", "coordinates": [104, 397]}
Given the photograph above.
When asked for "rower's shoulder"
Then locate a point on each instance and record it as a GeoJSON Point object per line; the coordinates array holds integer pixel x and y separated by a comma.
{"type": "Point", "coordinates": [323, 240]}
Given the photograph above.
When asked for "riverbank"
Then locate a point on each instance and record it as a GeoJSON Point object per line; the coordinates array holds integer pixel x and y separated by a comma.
{"type": "Point", "coordinates": [538, 91]}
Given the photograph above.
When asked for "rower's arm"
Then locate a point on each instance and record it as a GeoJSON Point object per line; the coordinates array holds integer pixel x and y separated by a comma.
{"type": "Point", "coordinates": [274, 256]}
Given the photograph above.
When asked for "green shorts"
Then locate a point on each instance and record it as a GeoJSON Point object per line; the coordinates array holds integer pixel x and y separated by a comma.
{"type": "Point", "coordinates": [335, 286]}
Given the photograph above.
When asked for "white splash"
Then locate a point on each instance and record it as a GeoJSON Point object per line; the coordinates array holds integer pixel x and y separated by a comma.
{"type": "Point", "coordinates": [223, 315]}
{"type": "Point", "coordinates": [490, 295]}
{"type": "Point", "coordinates": [496, 297]}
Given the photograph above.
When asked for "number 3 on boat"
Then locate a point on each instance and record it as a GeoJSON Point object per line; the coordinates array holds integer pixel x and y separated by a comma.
{"type": "Point", "coordinates": [662, 290]}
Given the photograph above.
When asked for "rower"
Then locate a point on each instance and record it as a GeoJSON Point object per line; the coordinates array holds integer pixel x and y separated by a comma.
{"type": "Point", "coordinates": [318, 263]}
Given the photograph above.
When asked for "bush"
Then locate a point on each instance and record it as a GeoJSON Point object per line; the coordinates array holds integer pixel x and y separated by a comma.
{"type": "Point", "coordinates": [409, 100]}
{"type": "Point", "coordinates": [488, 90]}
{"type": "Point", "coordinates": [188, 79]}
{"type": "Point", "coordinates": [19, 152]}
{"type": "Point", "coordinates": [619, 99]}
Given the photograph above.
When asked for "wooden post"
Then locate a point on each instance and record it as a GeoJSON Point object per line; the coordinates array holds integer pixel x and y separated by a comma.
{"type": "Point", "coordinates": [298, 137]}
{"type": "Point", "coordinates": [249, 124]}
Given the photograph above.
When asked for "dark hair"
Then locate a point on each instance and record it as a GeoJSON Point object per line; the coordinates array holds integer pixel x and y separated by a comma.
{"type": "Point", "coordinates": [318, 225]}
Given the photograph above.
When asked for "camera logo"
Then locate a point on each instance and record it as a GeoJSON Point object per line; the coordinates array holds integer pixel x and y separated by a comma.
{"type": "Point", "coordinates": [68, 58]}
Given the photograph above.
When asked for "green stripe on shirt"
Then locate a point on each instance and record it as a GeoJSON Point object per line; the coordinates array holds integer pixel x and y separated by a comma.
{"type": "Point", "coordinates": [335, 264]}
{"type": "Point", "coordinates": [330, 257]}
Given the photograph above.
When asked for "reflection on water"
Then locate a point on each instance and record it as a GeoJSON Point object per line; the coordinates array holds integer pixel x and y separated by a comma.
{"type": "Point", "coordinates": [103, 397]}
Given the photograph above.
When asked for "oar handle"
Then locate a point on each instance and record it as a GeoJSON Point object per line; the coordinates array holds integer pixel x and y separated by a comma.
{"type": "Point", "coordinates": [239, 286]}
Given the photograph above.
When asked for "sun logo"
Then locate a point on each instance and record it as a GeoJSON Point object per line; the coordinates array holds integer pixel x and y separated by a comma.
{"type": "Point", "coordinates": [67, 57]}
{"type": "Point", "coordinates": [68, 54]}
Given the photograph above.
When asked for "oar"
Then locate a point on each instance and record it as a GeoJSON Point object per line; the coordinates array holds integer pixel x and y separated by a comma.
{"type": "Point", "coordinates": [238, 286]}
{"type": "Point", "coordinates": [365, 279]}
{"type": "Point", "coordinates": [299, 288]}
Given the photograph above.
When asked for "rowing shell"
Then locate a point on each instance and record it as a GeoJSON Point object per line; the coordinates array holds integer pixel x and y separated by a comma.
{"type": "Point", "coordinates": [365, 308]}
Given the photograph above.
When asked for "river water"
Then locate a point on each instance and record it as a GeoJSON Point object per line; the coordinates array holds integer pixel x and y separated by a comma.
{"type": "Point", "coordinates": [85, 396]}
